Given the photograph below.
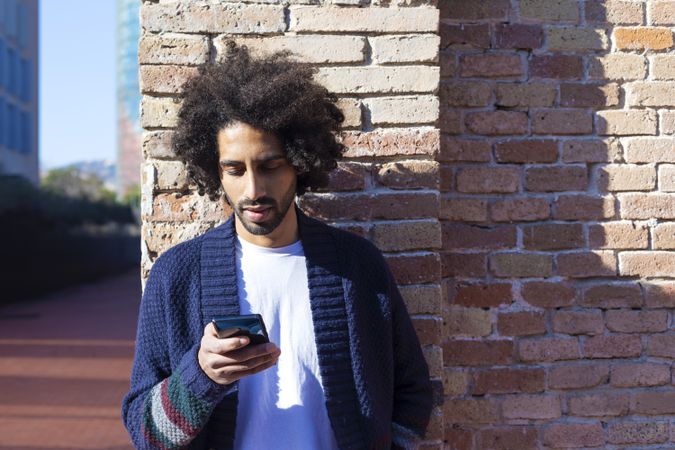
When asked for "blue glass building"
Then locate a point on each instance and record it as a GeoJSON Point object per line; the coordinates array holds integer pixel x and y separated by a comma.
{"type": "Point", "coordinates": [19, 88]}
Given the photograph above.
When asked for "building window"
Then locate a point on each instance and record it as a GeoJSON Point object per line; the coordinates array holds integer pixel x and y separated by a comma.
{"type": "Point", "coordinates": [27, 80]}
{"type": "Point", "coordinates": [11, 71]}
{"type": "Point", "coordinates": [26, 131]}
{"type": "Point", "coordinates": [11, 126]}
{"type": "Point", "coordinates": [3, 127]}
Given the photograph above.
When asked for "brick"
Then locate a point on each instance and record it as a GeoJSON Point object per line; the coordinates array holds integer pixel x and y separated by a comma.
{"type": "Point", "coordinates": [480, 295]}
{"type": "Point", "coordinates": [520, 209]}
{"type": "Point", "coordinates": [643, 38]}
{"type": "Point", "coordinates": [525, 95]}
{"type": "Point", "coordinates": [508, 381]}
{"type": "Point", "coordinates": [227, 18]}
{"type": "Point", "coordinates": [647, 206]}
{"type": "Point", "coordinates": [521, 265]}
{"type": "Point", "coordinates": [366, 207]}
{"type": "Point", "coordinates": [448, 63]}
{"type": "Point", "coordinates": [186, 208]}
{"type": "Point", "coordinates": [428, 330]}
{"type": "Point", "coordinates": [599, 405]}
{"type": "Point", "coordinates": [612, 346]}
{"type": "Point", "coordinates": [490, 66]}
{"type": "Point", "coordinates": [419, 109]}
{"type": "Point", "coordinates": [164, 79]}
{"type": "Point", "coordinates": [463, 236]}
{"type": "Point", "coordinates": [433, 355]}
{"type": "Point", "coordinates": [391, 142]}
{"type": "Point", "coordinates": [382, 20]}
{"type": "Point", "coordinates": [637, 433]}
{"type": "Point", "coordinates": [470, 411]}
{"type": "Point", "coordinates": [573, 39]}
{"type": "Point", "coordinates": [465, 265]}
{"type": "Point", "coordinates": [618, 235]}
{"type": "Point", "coordinates": [556, 178]}
{"type": "Point", "coordinates": [591, 151]}
{"type": "Point", "coordinates": [533, 407]}
{"type": "Point", "coordinates": [170, 175]}
{"type": "Point", "coordinates": [626, 177]}
{"type": "Point", "coordinates": [484, 180]}
{"type": "Point", "coordinates": [477, 353]}
{"type": "Point", "coordinates": [351, 108]}
{"type": "Point", "coordinates": [647, 264]}
{"type": "Point", "coordinates": [402, 236]}
{"type": "Point", "coordinates": [577, 376]}
{"type": "Point", "coordinates": [464, 35]}
{"type": "Point", "coordinates": [455, 382]}
{"type": "Point", "coordinates": [465, 150]}
{"type": "Point", "coordinates": [450, 121]}
{"type": "Point", "coordinates": [553, 236]}
{"type": "Point", "coordinates": [660, 294]}
{"type": "Point", "coordinates": [463, 209]}
{"type": "Point", "coordinates": [159, 112]}
{"type": "Point", "coordinates": [521, 323]}
{"type": "Point", "coordinates": [547, 349]}
{"type": "Point", "coordinates": [469, 94]}
{"type": "Point", "coordinates": [550, 11]}
{"type": "Point", "coordinates": [667, 178]}
{"type": "Point", "coordinates": [411, 48]}
{"type": "Point", "coordinates": [385, 80]}
{"type": "Point", "coordinates": [662, 12]}
{"type": "Point", "coordinates": [586, 264]}
{"type": "Point", "coordinates": [617, 66]}
{"type": "Point", "coordinates": [416, 174]}
{"type": "Point", "coordinates": [518, 36]}
{"type": "Point", "coordinates": [652, 93]}
{"type": "Point", "coordinates": [612, 295]}
{"type": "Point", "coordinates": [548, 294]}
{"type": "Point", "coordinates": [348, 176]}
{"type": "Point", "coordinates": [650, 150]}
{"type": "Point", "coordinates": [161, 236]}
{"type": "Point", "coordinates": [457, 437]}
{"type": "Point", "coordinates": [578, 322]}
{"type": "Point", "coordinates": [157, 145]}
{"type": "Point", "coordinates": [475, 11]}
{"type": "Point", "coordinates": [574, 435]}
{"type": "Point", "coordinates": [662, 67]}
{"type": "Point", "coordinates": [614, 12]}
{"type": "Point", "coordinates": [589, 95]}
{"type": "Point", "coordinates": [661, 346]}
{"type": "Point", "coordinates": [460, 321]}
{"type": "Point", "coordinates": [583, 207]}
{"type": "Point", "coordinates": [497, 122]}
{"type": "Point", "coordinates": [530, 151]}
{"type": "Point", "coordinates": [664, 236]}
{"type": "Point", "coordinates": [562, 121]}
{"type": "Point", "coordinates": [640, 375]}
{"type": "Point", "coordinates": [625, 123]}
{"type": "Point", "coordinates": [315, 49]}
{"type": "Point", "coordinates": [415, 269]}
{"type": "Point", "coordinates": [636, 321]}
{"type": "Point", "coordinates": [172, 48]}
{"type": "Point", "coordinates": [423, 299]}
{"type": "Point", "coordinates": [522, 438]}
{"type": "Point", "coordinates": [654, 402]}
{"type": "Point", "coordinates": [567, 67]}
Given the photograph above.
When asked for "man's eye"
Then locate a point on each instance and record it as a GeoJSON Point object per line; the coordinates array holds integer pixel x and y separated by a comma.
{"type": "Point", "coordinates": [270, 168]}
{"type": "Point", "coordinates": [235, 173]}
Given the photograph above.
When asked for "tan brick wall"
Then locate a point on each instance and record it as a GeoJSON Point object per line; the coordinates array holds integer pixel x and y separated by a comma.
{"type": "Point", "coordinates": [558, 223]}
{"type": "Point", "coordinates": [381, 58]}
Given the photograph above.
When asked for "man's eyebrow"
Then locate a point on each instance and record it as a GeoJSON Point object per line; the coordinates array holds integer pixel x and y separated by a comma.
{"type": "Point", "coordinates": [264, 159]}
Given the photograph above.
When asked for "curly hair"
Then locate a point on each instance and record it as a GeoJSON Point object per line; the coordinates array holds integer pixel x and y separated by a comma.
{"type": "Point", "coordinates": [272, 93]}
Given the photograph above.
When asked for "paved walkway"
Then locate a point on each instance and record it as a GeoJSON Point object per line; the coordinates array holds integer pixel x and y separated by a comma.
{"type": "Point", "coordinates": [65, 361]}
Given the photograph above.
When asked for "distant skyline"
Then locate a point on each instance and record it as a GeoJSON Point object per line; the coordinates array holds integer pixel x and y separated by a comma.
{"type": "Point", "coordinates": [77, 81]}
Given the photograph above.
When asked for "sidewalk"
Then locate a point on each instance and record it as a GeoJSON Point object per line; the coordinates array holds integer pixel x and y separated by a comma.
{"type": "Point", "coordinates": [65, 361]}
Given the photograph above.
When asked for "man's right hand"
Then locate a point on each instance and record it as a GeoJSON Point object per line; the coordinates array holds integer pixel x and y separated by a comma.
{"type": "Point", "coordinates": [227, 360]}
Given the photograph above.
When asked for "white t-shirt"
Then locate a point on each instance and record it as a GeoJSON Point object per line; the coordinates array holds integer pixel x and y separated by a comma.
{"type": "Point", "coordinates": [282, 407]}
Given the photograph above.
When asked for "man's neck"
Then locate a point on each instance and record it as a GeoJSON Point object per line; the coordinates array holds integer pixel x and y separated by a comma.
{"type": "Point", "coordinates": [285, 234]}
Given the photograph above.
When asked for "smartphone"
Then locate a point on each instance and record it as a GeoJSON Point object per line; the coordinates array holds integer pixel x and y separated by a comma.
{"type": "Point", "coordinates": [250, 325]}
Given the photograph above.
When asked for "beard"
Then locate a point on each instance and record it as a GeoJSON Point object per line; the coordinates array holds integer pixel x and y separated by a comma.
{"type": "Point", "coordinates": [276, 214]}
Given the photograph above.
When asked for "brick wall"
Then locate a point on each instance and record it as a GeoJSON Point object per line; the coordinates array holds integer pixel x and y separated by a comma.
{"type": "Point", "coordinates": [381, 58]}
{"type": "Point", "coordinates": [558, 223]}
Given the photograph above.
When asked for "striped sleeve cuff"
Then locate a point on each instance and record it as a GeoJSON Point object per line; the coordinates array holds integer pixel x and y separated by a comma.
{"type": "Point", "coordinates": [405, 438]}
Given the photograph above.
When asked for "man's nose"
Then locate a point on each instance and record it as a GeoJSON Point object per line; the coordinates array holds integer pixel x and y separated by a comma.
{"type": "Point", "coordinates": [254, 186]}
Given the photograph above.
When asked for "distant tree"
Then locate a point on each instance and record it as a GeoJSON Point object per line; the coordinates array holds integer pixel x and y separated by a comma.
{"type": "Point", "coordinates": [69, 181]}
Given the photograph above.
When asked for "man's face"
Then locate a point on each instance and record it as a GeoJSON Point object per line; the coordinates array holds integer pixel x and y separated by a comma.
{"type": "Point", "coordinates": [259, 183]}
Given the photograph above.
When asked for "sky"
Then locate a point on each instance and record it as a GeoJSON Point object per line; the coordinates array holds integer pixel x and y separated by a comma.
{"type": "Point", "coordinates": [76, 81]}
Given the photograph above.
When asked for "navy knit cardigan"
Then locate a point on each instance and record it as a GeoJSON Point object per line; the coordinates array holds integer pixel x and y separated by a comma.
{"type": "Point", "coordinates": [375, 378]}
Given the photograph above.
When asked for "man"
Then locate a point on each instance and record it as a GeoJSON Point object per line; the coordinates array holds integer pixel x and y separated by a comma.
{"type": "Point", "coordinates": [343, 368]}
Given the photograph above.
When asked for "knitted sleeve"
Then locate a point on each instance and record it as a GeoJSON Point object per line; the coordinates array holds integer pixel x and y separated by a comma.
{"type": "Point", "coordinates": [412, 386]}
{"type": "Point", "coordinates": [165, 408]}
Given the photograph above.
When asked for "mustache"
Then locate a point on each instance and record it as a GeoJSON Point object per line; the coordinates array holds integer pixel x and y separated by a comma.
{"type": "Point", "coordinates": [263, 201]}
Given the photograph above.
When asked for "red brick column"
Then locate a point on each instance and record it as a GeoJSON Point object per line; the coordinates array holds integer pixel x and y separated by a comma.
{"type": "Point", "coordinates": [558, 223]}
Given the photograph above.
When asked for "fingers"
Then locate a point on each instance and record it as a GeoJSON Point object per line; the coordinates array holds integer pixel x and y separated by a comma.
{"type": "Point", "coordinates": [245, 366]}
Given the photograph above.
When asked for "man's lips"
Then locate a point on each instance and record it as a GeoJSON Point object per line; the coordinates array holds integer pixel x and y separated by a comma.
{"type": "Point", "coordinates": [256, 214]}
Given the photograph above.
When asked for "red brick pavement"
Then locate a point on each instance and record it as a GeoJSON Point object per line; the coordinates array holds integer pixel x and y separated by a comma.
{"type": "Point", "coordinates": [65, 361]}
